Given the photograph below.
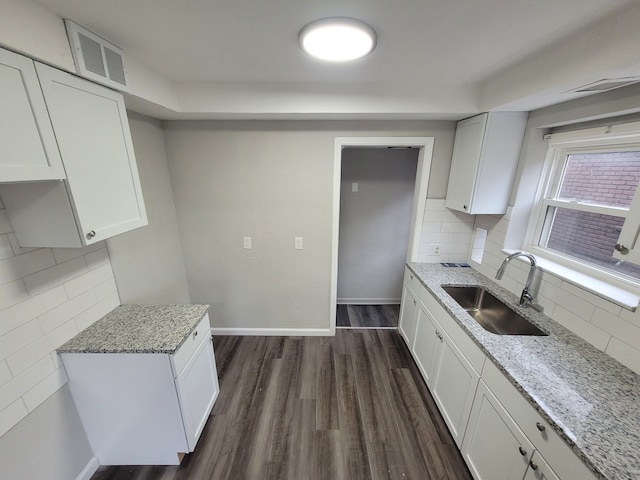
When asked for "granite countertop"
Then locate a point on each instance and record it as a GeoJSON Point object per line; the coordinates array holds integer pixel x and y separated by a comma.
{"type": "Point", "coordinates": [138, 329]}
{"type": "Point", "coordinates": [589, 398]}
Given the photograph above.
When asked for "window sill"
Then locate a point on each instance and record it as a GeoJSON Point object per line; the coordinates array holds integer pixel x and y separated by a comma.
{"type": "Point", "coordinates": [619, 296]}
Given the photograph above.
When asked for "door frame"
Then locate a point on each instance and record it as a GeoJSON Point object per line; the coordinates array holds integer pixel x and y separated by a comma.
{"type": "Point", "coordinates": [425, 155]}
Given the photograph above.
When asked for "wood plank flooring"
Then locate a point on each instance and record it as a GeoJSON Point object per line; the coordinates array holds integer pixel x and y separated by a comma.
{"type": "Point", "coordinates": [349, 407]}
{"type": "Point", "coordinates": [367, 316]}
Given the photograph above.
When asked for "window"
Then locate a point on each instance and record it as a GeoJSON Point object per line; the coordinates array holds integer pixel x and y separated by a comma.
{"type": "Point", "coordinates": [585, 197]}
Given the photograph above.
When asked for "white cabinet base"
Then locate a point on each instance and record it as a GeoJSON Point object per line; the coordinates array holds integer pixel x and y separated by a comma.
{"type": "Point", "coordinates": [136, 409]}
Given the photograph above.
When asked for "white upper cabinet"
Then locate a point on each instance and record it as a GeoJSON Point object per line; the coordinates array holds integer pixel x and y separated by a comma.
{"type": "Point", "coordinates": [485, 158]}
{"type": "Point", "coordinates": [101, 196]}
{"type": "Point", "coordinates": [28, 149]}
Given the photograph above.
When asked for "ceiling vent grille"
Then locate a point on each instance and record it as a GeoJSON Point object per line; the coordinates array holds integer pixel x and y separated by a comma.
{"type": "Point", "coordinates": [606, 84]}
{"type": "Point", "coordinates": [95, 58]}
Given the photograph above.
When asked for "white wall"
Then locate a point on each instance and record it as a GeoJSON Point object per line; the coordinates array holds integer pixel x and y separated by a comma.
{"type": "Point", "coordinates": [374, 223]}
{"type": "Point", "coordinates": [271, 181]}
{"type": "Point", "coordinates": [147, 262]}
{"type": "Point", "coordinates": [602, 323]}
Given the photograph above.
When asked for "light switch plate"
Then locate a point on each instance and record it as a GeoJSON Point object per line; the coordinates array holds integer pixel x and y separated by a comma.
{"type": "Point", "coordinates": [246, 243]}
{"type": "Point", "coordinates": [354, 187]}
{"type": "Point", "coordinates": [298, 243]}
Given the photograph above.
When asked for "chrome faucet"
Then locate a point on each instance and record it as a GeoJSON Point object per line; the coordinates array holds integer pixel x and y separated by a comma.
{"type": "Point", "coordinates": [526, 299]}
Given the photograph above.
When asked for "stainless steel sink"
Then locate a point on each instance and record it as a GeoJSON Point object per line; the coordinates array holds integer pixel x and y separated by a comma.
{"type": "Point", "coordinates": [492, 315]}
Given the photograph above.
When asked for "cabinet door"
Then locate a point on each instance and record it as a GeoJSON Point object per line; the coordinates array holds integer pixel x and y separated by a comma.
{"type": "Point", "coordinates": [454, 387]}
{"type": "Point", "coordinates": [198, 389]}
{"type": "Point", "coordinates": [408, 316]}
{"type": "Point", "coordinates": [494, 448]}
{"type": "Point", "coordinates": [427, 346]}
{"type": "Point", "coordinates": [539, 469]}
{"type": "Point", "coordinates": [28, 149]}
{"type": "Point", "coordinates": [92, 131]}
{"type": "Point", "coordinates": [467, 150]}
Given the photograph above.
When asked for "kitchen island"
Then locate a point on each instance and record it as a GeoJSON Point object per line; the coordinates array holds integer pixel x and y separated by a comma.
{"type": "Point", "coordinates": [144, 381]}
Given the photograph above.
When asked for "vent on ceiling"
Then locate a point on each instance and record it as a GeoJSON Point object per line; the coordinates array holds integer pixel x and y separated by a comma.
{"type": "Point", "coordinates": [606, 84]}
{"type": "Point", "coordinates": [95, 58]}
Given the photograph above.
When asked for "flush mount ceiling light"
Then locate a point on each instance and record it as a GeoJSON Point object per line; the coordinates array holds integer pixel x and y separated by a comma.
{"type": "Point", "coordinates": [337, 39]}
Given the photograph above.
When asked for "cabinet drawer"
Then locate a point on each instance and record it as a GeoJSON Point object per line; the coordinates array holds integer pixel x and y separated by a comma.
{"type": "Point", "coordinates": [459, 337]}
{"type": "Point", "coordinates": [181, 357]}
{"type": "Point", "coordinates": [552, 447]}
{"type": "Point", "coordinates": [411, 279]}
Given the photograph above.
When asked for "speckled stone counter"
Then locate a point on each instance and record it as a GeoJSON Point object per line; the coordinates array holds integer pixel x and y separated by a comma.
{"type": "Point", "coordinates": [589, 398]}
{"type": "Point", "coordinates": [138, 329]}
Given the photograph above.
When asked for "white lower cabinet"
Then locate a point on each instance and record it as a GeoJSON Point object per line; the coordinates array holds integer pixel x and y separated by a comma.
{"type": "Point", "coordinates": [494, 447]}
{"type": "Point", "coordinates": [446, 371]}
{"type": "Point", "coordinates": [408, 315]}
{"type": "Point", "coordinates": [145, 408]}
{"type": "Point", "coordinates": [501, 436]}
{"type": "Point", "coordinates": [454, 387]}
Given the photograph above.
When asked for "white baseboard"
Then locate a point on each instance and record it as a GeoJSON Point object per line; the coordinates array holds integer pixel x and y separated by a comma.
{"type": "Point", "coordinates": [368, 301]}
{"type": "Point", "coordinates": [89, 470]}
{"type": "Point", "coordinates": [278, 332]}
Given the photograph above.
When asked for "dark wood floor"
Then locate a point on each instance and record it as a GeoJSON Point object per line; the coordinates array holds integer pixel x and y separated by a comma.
{"type": "Point", "coordinates": [349, 407]}
{"type": "Point", "coordinates": [367, 316]}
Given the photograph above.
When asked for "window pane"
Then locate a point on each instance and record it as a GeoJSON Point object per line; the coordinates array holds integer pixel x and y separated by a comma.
{"type": "Point", "coordinates": [588, 237]}
{"type": "Point", "coordinates": [608, 178]}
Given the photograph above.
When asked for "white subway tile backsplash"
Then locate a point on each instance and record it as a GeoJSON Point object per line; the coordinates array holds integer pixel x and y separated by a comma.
{"type": "Point", "coordinates": [5, 373]}
{"type": "Point", "coordinates": [63, 313]}
{"type": "Point", "coordinates": [12, 293]}
{"type": "Point", "coordinates": [65, 254]}
{"type": "Point", "coordinates": [5, 224]}
{"type": "Point", "coordinates": [592, 334]}
{"type": "Point", "coordinates": [5, 247]}
{"type": "Point", "coordinates": [616, 326]}
{"type": "Point", "coordinates": [55, 276]}
{"type": "Point", "coordinates": [41, 348]}
{"type": "Point", "coordinates": [435, 204]}
{"type": "Point", "coordinates": [96, 312]}
{"type": "Point", "coordinates": [15, 246]}
{"type": "Point", "coordinates": [18, 386]}
{"type": "Point", "coordinates": [44, 389]}
{"type": "Point", "coordinates": [31, 308]}
{"type": "Point", "coordinates": [88, 280]}
{"type": "Point", "coordinates": [19, 338]}
{"type": "Point", "coordinates": [105, 289]}
{"type": "Point", "coordinates": [12, 415]}
{"type": "Point", "coordinates": [569, 301]}
{"type": "Point", "coordinates": [625, 354]}
{"type": "Point", "coordinates": [22, 265]}
{"type": "Point", "coordinates": [457, 227]}
{"type": "Point", "coordinates": [97, 258]}
{"type": "Point", "coordinates": [44, 295]}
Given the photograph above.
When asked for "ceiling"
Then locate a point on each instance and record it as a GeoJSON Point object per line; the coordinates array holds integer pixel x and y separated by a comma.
{"type": "Point", "coordinates": [434, 59]}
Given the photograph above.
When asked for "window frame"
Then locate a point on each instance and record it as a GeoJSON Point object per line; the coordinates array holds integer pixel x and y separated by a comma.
{"type": "Point", "coordinates": [622, 137]}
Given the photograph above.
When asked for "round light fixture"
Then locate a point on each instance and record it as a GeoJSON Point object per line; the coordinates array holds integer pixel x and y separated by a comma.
{"type": "Point", "coordinates": [337, 39]}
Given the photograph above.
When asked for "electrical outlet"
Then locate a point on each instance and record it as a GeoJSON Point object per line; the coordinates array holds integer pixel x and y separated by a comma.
{"type": "Point", "coordinates": [246, 243]}
{"type": "Point", "coordinates": [298, 243]}
{"type": "Point", "coordinates": [434, 249]}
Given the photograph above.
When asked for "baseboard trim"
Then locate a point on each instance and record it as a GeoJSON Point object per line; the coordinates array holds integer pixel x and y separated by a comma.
{"type": "Point", "coordinates": [89, 470]}
{"type": "Point", "coordinates": [277, 332]}
{"type": "Point", "coordinates": [368, 301]}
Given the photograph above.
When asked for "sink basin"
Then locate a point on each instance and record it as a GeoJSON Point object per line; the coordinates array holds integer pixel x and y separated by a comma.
{"type": "Point", "coordinates": [492, 315]}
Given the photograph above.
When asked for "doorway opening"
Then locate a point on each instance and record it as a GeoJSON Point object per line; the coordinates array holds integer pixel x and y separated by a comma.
{"type": "Point", "coordinates": [370, 209]}
{"type": "Point", "coordinates": [376, 201]}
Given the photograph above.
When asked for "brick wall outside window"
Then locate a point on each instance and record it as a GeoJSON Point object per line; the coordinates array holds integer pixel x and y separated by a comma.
{"type": "Point", "coordinates": [608, 179]}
